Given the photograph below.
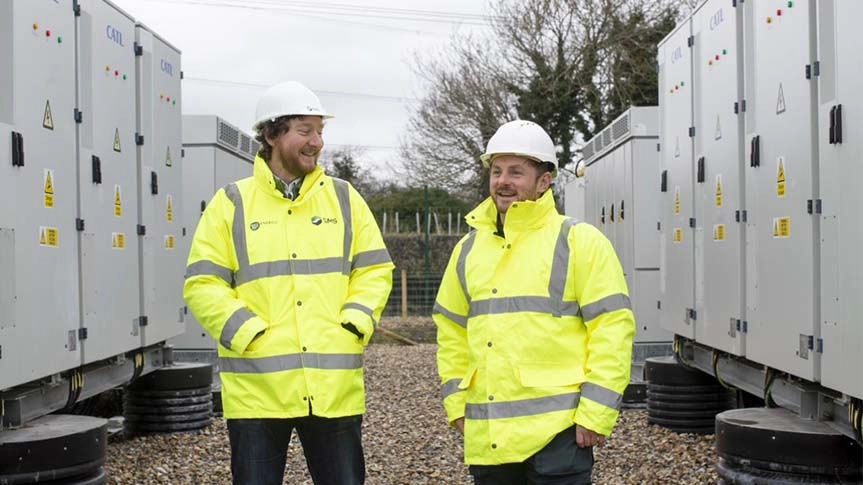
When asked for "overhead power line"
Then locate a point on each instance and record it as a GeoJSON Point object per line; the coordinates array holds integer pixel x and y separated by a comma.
{"type": "Point", "coordinates": [321, 92]}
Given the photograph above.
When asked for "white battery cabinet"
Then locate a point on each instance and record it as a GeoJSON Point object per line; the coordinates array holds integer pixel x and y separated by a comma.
{"type": "Point", "coordinates": [39, 310]}
{"type": "Point", "coordinates": [676, 129]}
{"type": "Point", "coordinates": [160, 187]}
{"type": "Point", "coordinates": [216, 153]}
{"type": "Point", "coordinates": [719, 171]}
{"type": "Point", "coordinates": [622, 170]}
{"type": "Point", "coordinates": [781, 235]}
{"type": "Point", "coordinates": [107, 180]}
{"type": "Point", "coordinates": [840, 132]}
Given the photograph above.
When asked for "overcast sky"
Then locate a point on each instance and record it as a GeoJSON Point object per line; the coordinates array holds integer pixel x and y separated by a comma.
{"type": "Point", "coordinates": [355, 54]}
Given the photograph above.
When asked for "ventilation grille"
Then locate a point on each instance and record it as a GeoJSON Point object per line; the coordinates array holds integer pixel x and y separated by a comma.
{"type": "Point", "coordinates": [620, 128]}
{"type": "Point", "coordinates": [228, 135]}
{"type": "Point", "coordinates": [606, 137]}
{"type": "Point", "coordinates": [244, 143]}
{"type": "Point", "coordinates": [255, 147]}
{"type": "Point", "coordinates": [587, 152]}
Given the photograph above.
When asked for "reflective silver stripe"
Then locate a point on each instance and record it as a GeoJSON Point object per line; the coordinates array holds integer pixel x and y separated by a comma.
{"type": "Point", "coordinates": [288, 268]}
{"type": "Point", "coordinates": [457, 319]}
{"type": "Point", "coordinates": [281, 363]}
{"type": "Point", "coordinates": [209, 268]}
{"type": "Point", "coordinates": [344, 196]}
{"type": "Point", "coordinates": [449, 388]}
{"type": "Point", "coordinates": [232, 326]}
{"type": "Point", "coordinates": [239, 228]}
{"type": "Point", "coordinates": [560, 266]}
{"type": "Point", "coordinates": [514, 304]}
{"type": "Point", "coordinates": [356, 306]}
{"type": "Point", "coordinates": [527, 407]}
{"type": "Point", "coordinates": [603, 396]}
{"type": "Point", "coordinates": [462, 260]}
{"type": "Point", "coordinates": [606, 305]}
{"type": "Point", "coordinates": [371, 258]}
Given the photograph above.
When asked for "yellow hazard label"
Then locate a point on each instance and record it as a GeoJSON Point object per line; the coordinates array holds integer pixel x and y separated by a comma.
{"type": "Point", "coordinates": [678, 235]}
{"type": "Point", "coordinates": [118, 240]}
{"type": "Point", "coordinates": [780, 177]}
{"type": "Point", "coordinates": [170, 242]}
{"type": "Point", "coordinates": [49, 188]}
{"type": "Point", "coordinates": [677, 200]}
{"type": "Point", "coordinates": [170, 213]}
{"type": "Point", "coordinates": [47, 118]}
{"type": "Point", "coordinates": [118, 202]}
{"type": "Point", "coordinates": [49, 237]}
{"type": "Point", "coordinates": [168, 161]}
{"type": "Point", "coordinates": [117, 140]}
{"type": "Point", "coordinates": [781, 227]}
{"type": "Point", "coordinates": [719, 190]}
{"type": "Point", "coordinates": [719, 232]}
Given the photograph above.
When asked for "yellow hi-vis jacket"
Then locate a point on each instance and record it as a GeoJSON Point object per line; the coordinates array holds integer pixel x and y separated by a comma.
{"type": "Point", "coordinates": [534, 331]}
{"type": "Point", "coordinates": [296, 270]}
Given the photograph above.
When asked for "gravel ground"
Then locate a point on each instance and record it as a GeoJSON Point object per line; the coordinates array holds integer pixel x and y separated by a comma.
{"type": "Point", "coordinates": [407, 440]}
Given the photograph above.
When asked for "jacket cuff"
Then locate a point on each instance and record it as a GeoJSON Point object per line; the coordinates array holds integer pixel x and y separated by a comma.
{"type": "Point", "coordinates": [361, 320]}
{"type": "Point", "coordinates": [247, 333]}
{"type": "Point", "coordinates": [595, 417]}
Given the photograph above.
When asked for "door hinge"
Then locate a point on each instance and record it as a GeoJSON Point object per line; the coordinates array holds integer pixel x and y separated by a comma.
{"type": "Point", "coordinates": [692, 222]}
{"type": "Point", "coordinates": [139, 139]}
{"type": "Point", "coordinates": [142, 230]}
{"type": "Point", "coordinates": [813, 207]}
{"type": "Point", "coordinates": [659, 304]}
{"type": "Point", "coordinates": [79, 116]}
{"type": "Point", "coordinates": [690, 41]}
{"type": "Point", "coordinates": [82, 333]}
{"type": "Point", "coordinates": [736, 107]}
{"type": "Point", "coordinates": [658, 226]}
{"type": "Point", "coordinates": [739, 216]}
{"type": "Point", "coordinates": [182, 152]}
{"type": "Point", "coordinates": [816, 68]}
{"type": "Point", "coordinates": [76, 9]}
{"type": "Point", "coordinates": [819, 345]}
{"type": "Point", "coordinates": [742, 327]}
{"type": "Point", "coordinates": [691, 314]}
{"type": "Point", "coordinates": [143, 321]}
{"type": "Point", "coordinates": [79, 224]}
{"type": "Point", "coordinates": [743, 105]}
{"type": "Point", "coordinates": [691, 131]}
{"type": "Point", "coordinates": [139, 49]}
{"type": "Point", "coordinates": [808, 71]}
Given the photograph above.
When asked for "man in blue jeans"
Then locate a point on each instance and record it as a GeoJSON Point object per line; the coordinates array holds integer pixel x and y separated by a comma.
{"type": "Point", "coordinates": [289, 273]}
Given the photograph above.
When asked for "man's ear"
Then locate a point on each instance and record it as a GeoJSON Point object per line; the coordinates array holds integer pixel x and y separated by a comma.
{"type": "Point", "coordinates": [544, 182]}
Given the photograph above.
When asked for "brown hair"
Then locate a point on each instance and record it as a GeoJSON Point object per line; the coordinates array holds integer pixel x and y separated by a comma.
{"type": "Point", "coordinates": [272, 129]}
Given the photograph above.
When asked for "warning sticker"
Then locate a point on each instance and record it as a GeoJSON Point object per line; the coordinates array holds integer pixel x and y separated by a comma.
{"type": "Point", "coordinates": [168, 161]}
{"type": "Point", "coordinates": [677, 200]}
{"type": "Point", "coordinates": [49, 237]}
{"type": "Point", "coordinates": [781, 227]}
{"type": "Point", "coordinates": [118, 202]}
{"type": "Point", "coordinates": [117, 140]}
{"type": "Point", "coordinates": [170, 213]}
{"type": "Point", "coordinates": [718, 190]}
{"type": "Point", "coordinates": [780, 101]}
{"type": "Point", "coordinates": [170, 242]}
{"type": "Point", "coordinates": [678, 235]}
{"type": "Point", "coordinates": [719, 232]}
{"type": "Point", "coordinates": [49, 188]}
{"type": "Point", "coordinates": [780, 177]}
{"type": "Point", "coordinates": [717, 135]}
{"type": "Point", "coordinates": [47, 118]}
{"type": "Point", "coordinates": [118, 240]}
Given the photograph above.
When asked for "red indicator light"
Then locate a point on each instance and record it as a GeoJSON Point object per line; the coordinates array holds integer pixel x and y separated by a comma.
{"type": "Point", "coordinates": [717, 57]}
{"type": "Point", "coordinates": [47, 33]}
{"type": "Point", "coordinates": [116, 73]}
{"type": "Point", "coordinates": [779, 13]}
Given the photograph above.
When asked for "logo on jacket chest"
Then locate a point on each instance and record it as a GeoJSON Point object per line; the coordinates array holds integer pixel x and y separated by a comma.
{"type": "Point", "coordinates": [257, 224]}
{"type": "Point", "coordinates": [324, 220]}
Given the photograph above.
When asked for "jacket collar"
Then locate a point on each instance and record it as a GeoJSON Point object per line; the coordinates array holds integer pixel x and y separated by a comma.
{"type": "Point", "coordinates": [266, 182]}
{"type": "Point", "coordinates": [521, 216]}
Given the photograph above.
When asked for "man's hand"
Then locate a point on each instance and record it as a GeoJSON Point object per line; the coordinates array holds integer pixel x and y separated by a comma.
{"type": "Point", "coordinates": [585, 437]}
{"type": "Point", "coordinates": [459, 425]}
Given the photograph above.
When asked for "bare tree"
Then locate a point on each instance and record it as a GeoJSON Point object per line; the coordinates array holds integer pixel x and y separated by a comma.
{"type": "Point", "coordinates": [466, 101]}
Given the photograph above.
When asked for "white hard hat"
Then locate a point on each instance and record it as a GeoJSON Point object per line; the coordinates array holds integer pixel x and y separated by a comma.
{"type": "Point", "coordinates": [288, 98]}
{"type": "Point", "coordinates": [523, 138]}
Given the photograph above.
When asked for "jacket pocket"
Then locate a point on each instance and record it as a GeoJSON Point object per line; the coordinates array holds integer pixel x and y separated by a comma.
{"type": "Point", "coordinates": [550, 375]}
{"type": "Point", "coordinates": [467, 380]}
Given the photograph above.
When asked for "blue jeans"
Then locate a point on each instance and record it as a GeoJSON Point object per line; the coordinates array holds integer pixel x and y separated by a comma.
{"type": "Point", "coordinates": [561, 462]}
{"type": "Point", "coordinates": [333, 449]}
